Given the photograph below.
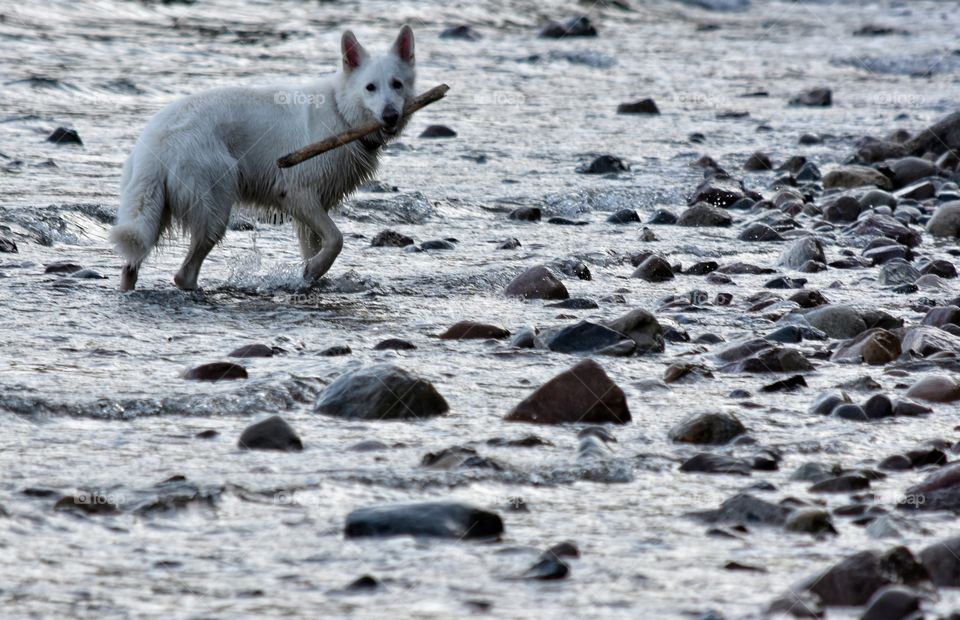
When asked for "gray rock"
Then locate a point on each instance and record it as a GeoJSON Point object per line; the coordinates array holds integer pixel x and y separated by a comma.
{"type": "Point", "coordinates": [816, 97]}
{"type": "Point", "coordinates": [802, 250]}
{"type": "Point", "coordinates": [537, 283]}
{"type": "Point", "coordinates": [910, 169]}
{"type": "Point", "coordinates": [759, 231]}
{"type": "Point", "coordinates": [654, 269]}
{"type": "Point", "coordinates": [428, 519]}
{"type": "Point", "coordinates": [897, 272]}
{"type": "Point", "coordinates": [892, 603]}
{"type": "Point", "coordinates": [271, 434]}
{"type": "Point", "coordinates": [707, 428]}
{"type": "Point", "coordinates": [642, 327]}
{"type": "Point", "coordinates": [837, 321]}
{"type": "Point", "coordinates": [946, 220]}
{"type": "Point", "coordinates": [703, 214]}
{"type": "Point", "coordinates": [584, 337]}
{"type": "Point", "coordinates": [850, 176]}
{"type": "Point", "coordinates": [379, 392]}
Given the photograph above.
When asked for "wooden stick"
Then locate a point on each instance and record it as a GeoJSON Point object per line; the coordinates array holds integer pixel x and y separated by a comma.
{"type": "Point", "coordinates": [312, 150]}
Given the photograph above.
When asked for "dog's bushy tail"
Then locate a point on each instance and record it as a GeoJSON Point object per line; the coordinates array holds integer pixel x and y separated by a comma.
{"type": "Point", "coordinates": [142, 213]}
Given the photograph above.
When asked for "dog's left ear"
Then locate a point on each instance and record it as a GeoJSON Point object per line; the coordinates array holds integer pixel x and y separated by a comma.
{"type": "Point", "coordinates": [403, 46]}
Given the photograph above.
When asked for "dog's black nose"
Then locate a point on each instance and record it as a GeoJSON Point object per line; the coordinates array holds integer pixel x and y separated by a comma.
{"type": "Point", "coordinates": [390, 116]}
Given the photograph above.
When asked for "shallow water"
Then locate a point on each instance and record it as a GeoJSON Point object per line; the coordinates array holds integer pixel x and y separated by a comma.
{"type": "Point", "coordinates": [92, 394]}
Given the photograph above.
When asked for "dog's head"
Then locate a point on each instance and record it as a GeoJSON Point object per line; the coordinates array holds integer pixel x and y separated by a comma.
{"type": "Point", "coordinates": [378, 88]}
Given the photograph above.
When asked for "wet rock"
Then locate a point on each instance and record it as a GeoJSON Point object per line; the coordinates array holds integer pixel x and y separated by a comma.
{"type": "Point", "coordinates": [428, 519]}
{"type": "Point", "coordinates": [942, 561]}
{"type": "Point", "coordinates": [893, 603]}
{"type": "Point", "coordinates": [537, 283]}
{"type": "Point", "coordinates": [62, 267]}
{"type": "Point", "coordinates": [809, 299]}
{"type": "Point", "coordinates": [702, 268]}
{"type": "Point", "coordinates": [875, 346]}
{"type": "Point", "coordinates": [643, 106]}
{"type": "Point", "coordinates": [581, 394]}
{"type": "Point", "coordinates": [547, 568]}
{"type": "Point", "coordinates": [911, 169]}
{"type": "Point", "coordinates": [654, 269]}
{"type": "Point", "coordinates": [335, 350]}
{"type": "Point", "coordinates": [394, 344]}
{"type": "Point", "coordinates": [563, 221]}
{"type": "Point", "coordinates": [573, 267]}
{"type": "Point", "coordinates": [758, 162]}
{"type": "Point", "coordinates": [851, 176]}
{"type": "Point", "coordinates": [942, 315]}
{"type": "Point", "coordinates": [438, 131]}
{"type": "Point", "coordinates": [718, 191]}
{"type": "Point", "coordinates": [746, 509]}
{"type": "Point", "coordinates": [604, 164]}
{"type": "Point", "coordinates": [809, 173]}
{"type": "Point", "coordinates": [943, 268]}
{"type": "Point", "coordinates": [882, 254]}
{"type": "Point", "coordinates": [575, 303]}
{"type": "Point", "coordinates": [878, 225]}
{"type": "Point", "coordinates": [706, 462]}
{"type": "Point", "coordinates": [526, 441]}
{"type": "Point", "coordinates": [525, 338]}
{"type": "Point", "coordinates": [810, 138]}
{"type": "Point", "coordinates": [800, 251]}
{"type": "Point", "coordinates": [62, 135]}
{"type": "Point", "coordinates": [921, 190]}
{"type": "Point", "coordinates": [759, 232]}
{"type": "Point", "coordinates": [437, 244]}
{"type": "Point", "coordinates": [662, 216]}
{"type": "Point", "coordinates": [464, 330]}
{"type": "Point", "coordinates": [379, 392]}
{"type": "Point", "coordinates": [392, 239]}
{"type": "Point", "coordinates": [526, 214]}
{"type": "Point", "coordinates": [935, 388]}
{"type": "Point", "coordinates": [837, 321]}
{"type": "Point", "coordinates": [584, 337]}
{"type": "Point", "coordinates": [810, 521]}
{"type": "Point", "coordinates": [946, 220]}
{"type": "Point", "coordinates": [457, 457]}
{"type": "Point", "coordinates": [771, 359]}
{"type": "Point", "coordinates": [8, 245]}
{"type": "Point", "coordinates": [841, 484]}
{"type": "Point", "coordinates": [365, 583]}
{"type": "Point", "coordinates": [463, 32]}
{"type": "Point", "coordinates": [642, 327]}
{"type": "Point", "coordinates": [577, 26]}
{"type": "Point", "coordinates": [878, 406]}
{"type": "Point", "coordinates": [926, 341]}
{"type": "Point", "coordinates": [850, 411]}
{"type": "Point", "coordinates": [843, 209]}
{"type": "Point", "coordinates": [789, 384]}
{"type": "Point", "coordinates": [818, 97]}
{"type": "Point", "coordinates": [252, 350]}
{"type": "Point", "coordinates": [685, 371]}
{"type": "Point", "coordinates": [207, 434]}
{"type": "Point", "coordinates": [897, 272]}
{"type": "Point", "coordinates": [744, 268]}
{"type": "Point", "coordinates": [271, 434]}
{"type": "Point", "coordinates": [707, 428]}
{"type": "Point", "coordinates": [854, 580]}
{"type": "Point", "coordinates": [703, 214]}
{"type": "Point", "coordinates": [88, 274]}
{"type": "Point", "coordinates": [216, 371]}
{"type": "Point", "coordinates": [624, 216]}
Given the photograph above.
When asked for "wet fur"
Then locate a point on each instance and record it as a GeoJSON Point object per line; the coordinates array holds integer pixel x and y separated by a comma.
{"type": "Point", "coordinates": [203, 155]}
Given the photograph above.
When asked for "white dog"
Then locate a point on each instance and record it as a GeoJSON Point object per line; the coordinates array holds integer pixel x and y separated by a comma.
{"type": "Point", "coordinates": [201, 155]}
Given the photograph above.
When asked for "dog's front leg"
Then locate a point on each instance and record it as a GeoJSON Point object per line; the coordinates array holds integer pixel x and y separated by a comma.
{"type": "Point", "coordinates": [331, 243]}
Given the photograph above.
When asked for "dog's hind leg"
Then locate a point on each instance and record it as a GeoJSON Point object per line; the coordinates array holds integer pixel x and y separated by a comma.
{"type": "Point", "coordinates": [331, 243]}
{"type": "Point", "coordinates": [207, 222]}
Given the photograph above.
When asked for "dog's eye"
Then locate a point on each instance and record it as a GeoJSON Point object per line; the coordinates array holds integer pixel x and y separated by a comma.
{"type": "Point", "coordinates": [397, 84]}
{"type": "Point", "coordinates": [371, 87]}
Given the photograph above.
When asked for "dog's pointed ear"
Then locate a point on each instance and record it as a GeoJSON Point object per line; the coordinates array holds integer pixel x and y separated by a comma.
{"type": "Point", "coordinates": [353, 53]}
{"type": "Point", "coordinates": [403, 46]}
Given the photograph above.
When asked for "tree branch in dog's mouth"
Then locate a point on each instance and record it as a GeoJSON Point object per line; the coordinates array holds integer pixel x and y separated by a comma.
{"type": "Point", "coordinates": [312, 150]}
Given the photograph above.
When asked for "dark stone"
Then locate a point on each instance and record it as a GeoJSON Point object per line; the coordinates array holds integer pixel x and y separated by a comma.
{"type": "Point", "coordinates": [821, 97]}
{"type": "Point", "coordinates": [942, 561]}
{"type": "Point", "coordinates": [654, 269]}
{"type": "Point", "coordinates": [603, 165]}
{"type": "Point", "coordinates": [642, 327]}
{"type": "Point", "coordinates": [8, 246]}
{"type": "Point", "coordinates": [758, 162]}
{"type": "Point", "coordinates": [624, 216]}
{"type": "Point", "coordinates": [509, 244]}
{"type": "Point", "coordinates": [802, 250]}
{"type": "Point", "coordinates": [548, 567]}
{"type": "Point", "coordinates": [850, 411]}
{"type": "Point", "coordinates": [394, 344]}
{"type": "Point", "coordinates": [366, 582]}
{"type": "Point", "coordinates": [759, 232]}
{"type": "Point", "coordinates": [843, 209]}
{"type": "Point", "coordinates": [438, 131]}
{"type": "Point", "coordinates": [464, 330]}
{"type": "Point", "coordinates": [464, 32]}
{"type": "Point", "coordinates": [703, 214]}
{"type": "Point", "coordinates": [525, 214]}
{"type": "Point", "coordinates": [437, 244]}
{"type": "Point", "coordinates": [854, 580]}
{"type": "Point", "coordinates": [575, 303]}
{"type": "Point", "coordinates": [784, 282]}
{"type": "Point", "coordinates": [581, 394]}
{"type": "Point", "coordinates": [809, 299]}
{"type": "Point", "coordinates": [584, 337]}
{"type": "Point", "coordinates": [790, 384]}
{"type": "Point", "coordinates": [706, 462]}
{"type": "Point", "coordinates": [702, 268]}
{"type": "Point", "coordinates": [252, 350]}
{"type": "Point", "coordinates": [577, 26]}
{"type": "Point", "coordinates": [892, 603]}
{"type": "Point", "coordinates": [379, 392]}
{"type": "Point", "coordinates": [746, 509]}
{"type": "Point", "coordinates": [62, 135]}
{"type": "Point", "coordinates": [428, 519]}
{"type": "Point", "coordinates": [216, 371]}
{"type": "Point", "coordinates": [62, 267]}
{"type": "Point", "coordinates": [810, 521]}
{"type": "Point", "coordinates": [848, 483]}
{"type": "Point", "coordinates": [537, 283]}
{"type": "Point", "coordinates": [271, 434]}
{"type": "Point", "coordinates": [707, 428]}
{"type": "Point", "coordinates": [643, 106]}
{"type": "Point", "coordinates": [718, 191]}
{"type": "Point", "coordinates": [336, 350]}
{"type": "Point", "coordinates": [391, 238]}
{"type": "Point", "coordinates": [662, 216]}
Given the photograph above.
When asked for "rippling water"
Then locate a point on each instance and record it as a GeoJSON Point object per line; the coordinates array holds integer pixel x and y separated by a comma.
{"type": "Point", "coordinates": [90, 379]}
